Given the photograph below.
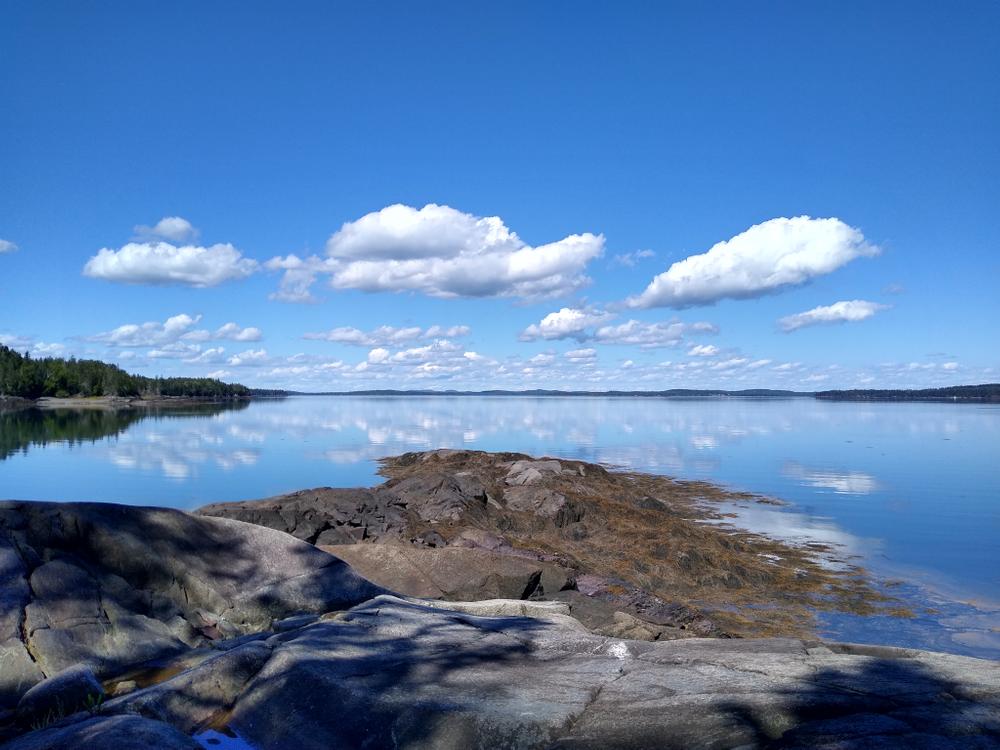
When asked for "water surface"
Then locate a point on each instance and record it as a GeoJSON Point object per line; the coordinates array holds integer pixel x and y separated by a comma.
{"type": "Point", "coordinates": [913, 489]}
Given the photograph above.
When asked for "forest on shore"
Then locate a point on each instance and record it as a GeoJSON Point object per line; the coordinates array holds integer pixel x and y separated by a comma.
{"type": "Point", "coordinates": [22, 376]}
{"type": "Point", "coordinates": [984, 392]}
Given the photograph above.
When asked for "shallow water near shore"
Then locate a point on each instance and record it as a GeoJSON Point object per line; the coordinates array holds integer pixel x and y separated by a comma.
{"type": "Point", "coordinates": [911, 489]}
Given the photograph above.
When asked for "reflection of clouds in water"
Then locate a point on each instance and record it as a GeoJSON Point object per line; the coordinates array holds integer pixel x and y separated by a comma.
{"type": "Point", "coordinates": [794, 527]}
{"type": "Point", "coordinates": [176, 454]}
{"type": "Point", "coordinates": [704, 442]}
{"type": "Point", "coordinates": [842, 483]}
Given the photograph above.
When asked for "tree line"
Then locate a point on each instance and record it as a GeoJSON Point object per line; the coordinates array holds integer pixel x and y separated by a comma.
{"type": "Point", "coordinates": [24, 377]}
{"type": "Point", "coordinates": [984, 392]}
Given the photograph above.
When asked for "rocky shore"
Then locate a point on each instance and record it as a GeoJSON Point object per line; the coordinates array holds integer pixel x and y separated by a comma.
{"type": "Point", "coordinates": [612, 615]}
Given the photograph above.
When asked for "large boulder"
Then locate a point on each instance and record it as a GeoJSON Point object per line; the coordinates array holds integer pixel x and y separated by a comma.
{"type": "Point", "coordinates": [453, 573]}
{"type": "Point", "coordinates": [113, 585]}
{"type": "Point", "coordinates": [64, 693]}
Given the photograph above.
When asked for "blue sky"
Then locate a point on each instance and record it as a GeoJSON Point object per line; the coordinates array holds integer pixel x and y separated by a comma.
{"type": "Point", "coordinates": [475, 193]}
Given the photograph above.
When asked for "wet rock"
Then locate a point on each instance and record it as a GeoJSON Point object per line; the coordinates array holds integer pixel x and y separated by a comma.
{"type": "Point", "coordinates": [62, 694]}
{"type": "Point", "coordinates": [190, 699]}
{"type": "Point", "coordinates": [124, 687]}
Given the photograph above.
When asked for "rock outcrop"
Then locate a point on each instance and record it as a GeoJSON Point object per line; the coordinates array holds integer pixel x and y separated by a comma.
{"type": "Point", "coordinates": [141, 627]}
{"type": "Point", "coordinates": [402, 674]}
{"type": "Point", "coordinates": [112, 586]}
{"type": "Point", "coordinates": [653, 567]}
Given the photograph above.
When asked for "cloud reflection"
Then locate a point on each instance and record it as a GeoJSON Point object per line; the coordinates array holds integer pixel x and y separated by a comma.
{"type": "Point", "coordinates": [841, 483]}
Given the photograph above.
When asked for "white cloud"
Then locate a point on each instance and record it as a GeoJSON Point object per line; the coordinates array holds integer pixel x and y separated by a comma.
{"type": "Point", "coordinates": [176, 337]}
{"type": "Point", "coordinates": [161, 263]}
{"type": "Point", "coordinates": [233, 332]}
{"type": "Point", "coordinates": [566, 323]}
{"type": "Point", "coordinates": [219, 374]}
{"type": "Point", "coordinates": [249, 357]}
{"type": "Point", "coordinates": [542, 360]}
{"type": "Point", "coordinates": [19, 343]}
{"type": "Point", "coordinates": [214, 354]}
{"type": "Point", "coordinates": [426, 353]}
{"type": "Point", "coordinates": [731, 363]}
{"type": "Point", "coordinates": [172, 228]}
{"type": "Point", "coordinates": [376, 356]}
{"type": "Point", "coordinates": [148, 334]}
{"type": "Point", "coordinates": [847, 311]}
{"type": "Point", "coordinates": [174, 350]}
{"type": "Point", "coordinates": [585, 325]}
{"type": "Point", "coordinates": [629, 260]}
{"type": "Point", "coordinates": [650, 335]}
{"type": "Point", "coordinates": [949, 366]}
{"type": "Point", "coordinates": [6, 246]}
{"type": "Point", "coordinates": [581, 355]}
{"type": "Point", "coordinates": [703, 350]}
{"type": "Point", "coordinates": [762, 260]}
{"type": "Point", "coordinates": [440, 252]}
{"type": "Point", "coordinates": [387, 335]}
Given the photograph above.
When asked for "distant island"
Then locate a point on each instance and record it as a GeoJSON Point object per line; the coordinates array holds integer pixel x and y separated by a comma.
{"type": "Point", "coordinates": [989, 392]}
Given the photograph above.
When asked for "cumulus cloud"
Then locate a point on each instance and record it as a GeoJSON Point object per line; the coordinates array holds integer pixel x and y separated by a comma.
{"type": "Point", "coordinates": [159, 262]}
{"type": "Point", "coordinates": [441, 252]}
{"type": "Point", "coordinates": [172, 228]}
{"type": "Point", "coordinates": [846, 311]}
{"type": "Point", "coordinates": [569, 322]}
{"type": "Point", "coordinates": [585, 325]}
{"type": "Point", "coordinates": [703, 350]}
{"type": "Point", "coordinates": [148, 334]}
{"type": "Point", "coordinates": [387, 335]}
{"type": "Point", "coordinates": [378, 355]}
{"type": "Point", "coordinates": [233, 332]}
{"type": "Point", "coordinates": [764, 259]}
{"type": "Point", "coordinates": [249, 357]}
{"type": "Point", "coordinates": [6, 246]}
{"type": "Point", "coordinates": [176, 335]}
{"type": "Point", "coordinates": [581, 355]}
{"type": "Point", "coordinates": [650, 335]}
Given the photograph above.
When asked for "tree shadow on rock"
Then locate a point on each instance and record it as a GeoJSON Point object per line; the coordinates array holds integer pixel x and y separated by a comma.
{"type": "Point", "coordinates": [880, 698]}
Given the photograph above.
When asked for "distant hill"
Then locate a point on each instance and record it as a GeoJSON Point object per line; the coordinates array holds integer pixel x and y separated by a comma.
{"type": "Point", "coordinates": [987, 392]}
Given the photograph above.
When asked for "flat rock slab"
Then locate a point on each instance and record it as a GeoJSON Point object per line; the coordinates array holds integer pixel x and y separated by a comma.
{"type": "Point", "coordinates": [394, 673]}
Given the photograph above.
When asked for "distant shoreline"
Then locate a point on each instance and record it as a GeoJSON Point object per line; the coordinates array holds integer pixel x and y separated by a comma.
{"type": "Point", "coordinates": [112, 402]}
{"type": "Point", "coordinates": [988, 393]}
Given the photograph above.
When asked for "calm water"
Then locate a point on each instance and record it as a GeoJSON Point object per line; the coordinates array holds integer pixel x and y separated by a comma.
{"type": "Point", "coordinates": [913, 489]}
